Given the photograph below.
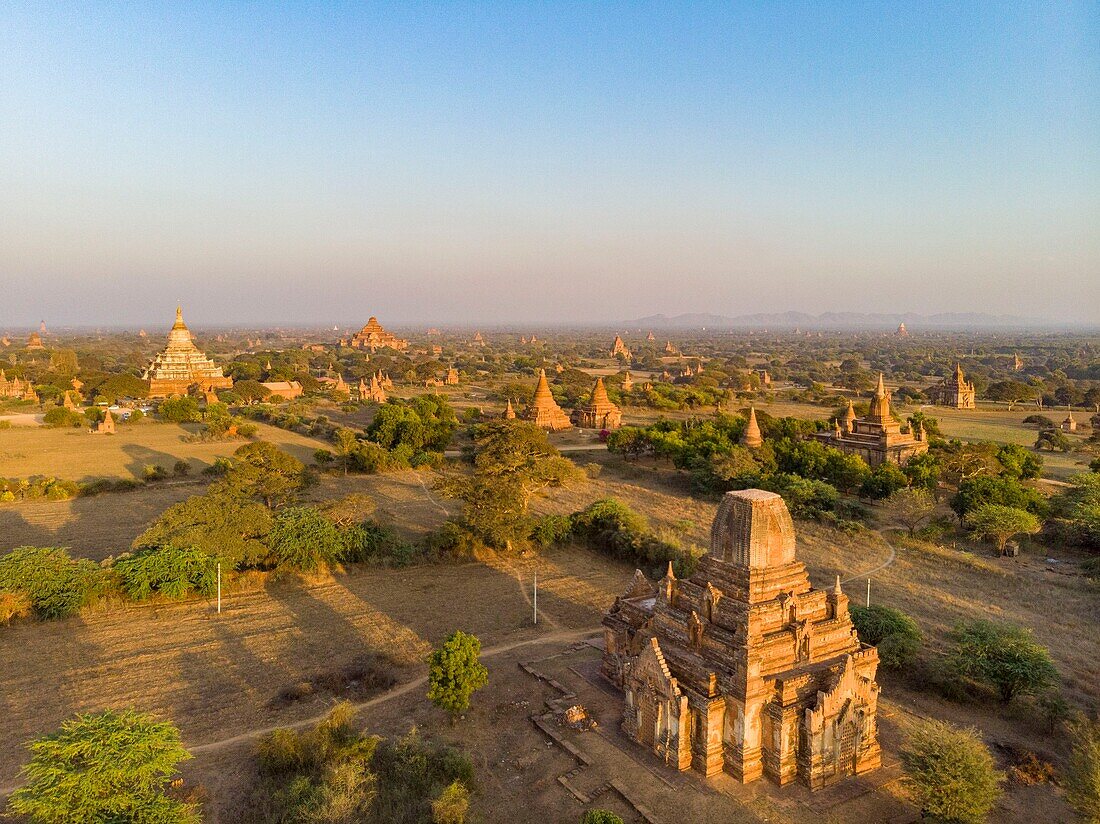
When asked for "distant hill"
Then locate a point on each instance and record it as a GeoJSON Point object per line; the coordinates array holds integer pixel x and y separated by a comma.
{"type": "Point", "coordinates": [836, 320]}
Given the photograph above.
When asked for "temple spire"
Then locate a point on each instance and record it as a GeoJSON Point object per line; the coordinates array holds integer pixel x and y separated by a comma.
{"type": "Point", "coordinates": [752, 436]}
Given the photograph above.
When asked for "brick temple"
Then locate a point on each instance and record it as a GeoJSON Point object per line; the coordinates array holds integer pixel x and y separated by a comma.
{"type": "Point", "coordinates": [181, 365]}
{"type": "Point", "coordinates": [876, 437]}
{"type": "Point", "coordinates": [744, 667]}
{"type": "Point", "coordinates": [954, 391]}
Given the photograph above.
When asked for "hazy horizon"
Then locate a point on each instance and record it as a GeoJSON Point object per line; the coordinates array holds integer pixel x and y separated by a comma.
{"type": "Point", "coordinates": [319, 163]}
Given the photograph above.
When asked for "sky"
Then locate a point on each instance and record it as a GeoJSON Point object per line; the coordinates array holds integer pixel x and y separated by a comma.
{"type": "Point", "coordinates": [561, 162]}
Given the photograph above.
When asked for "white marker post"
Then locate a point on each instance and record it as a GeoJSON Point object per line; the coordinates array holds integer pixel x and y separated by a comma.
{"type": "Point", "coordinates": [868, 592]}
{"type": "Point", "coordinates": [219, 587]}
{"type": "Point", "coordinates": [536, 599]}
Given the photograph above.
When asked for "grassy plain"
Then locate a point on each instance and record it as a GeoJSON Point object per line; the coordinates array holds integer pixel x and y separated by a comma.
{"type": "Point", "coordinates": [217, 676]}
{"type": "Point", "coordinates": [78, 455]}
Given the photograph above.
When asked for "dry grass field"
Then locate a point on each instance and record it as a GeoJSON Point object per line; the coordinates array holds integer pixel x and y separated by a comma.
{"type": "Point", "coordinates": [217, 676]}
{"type": "Point", "coordinates": [77, 455]}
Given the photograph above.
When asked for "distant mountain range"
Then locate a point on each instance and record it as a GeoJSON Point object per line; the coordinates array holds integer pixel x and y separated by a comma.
{"type": "Point", "coordinates": [837, 320]}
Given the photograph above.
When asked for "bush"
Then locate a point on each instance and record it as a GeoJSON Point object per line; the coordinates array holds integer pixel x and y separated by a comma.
{"type": "Point", "coordinates": [412, 773]}
{"type": "Point", "coordinates": [1003, 656]}
{"type": "Point", "coordinates": [107, 766]}
{"type": "Point", "coordinates": [56, 584]}
{"type": "Point", "coordinates": [320, 775]}
{"type": "Point", "coordinates": [551, 529]}
{"type": "Point", "coordinates": [172, 571]}
{"type": "Point", "coordinates": [136, 416]}
{"type": "Point", "coordinates": [375, 543]}
{"type": "Point", "coordinates": [14, 605]}
{"type": "Point", "coordinates": [154, 472]}
{"type": "Point", "coordinates": [181, 468]}
{"type": "Point", "coordinates": [59, 417]}
{"type": "Point", "coordinates": [452, 805]}
{"type": "Point", "coordinates": [600, 817]}
{"type": "Point", "coordinates": [896, 635]}
{"type": "Point", "coordinates": [1082, 779]}
{"type": "Point", "coordinates": [950, 773]}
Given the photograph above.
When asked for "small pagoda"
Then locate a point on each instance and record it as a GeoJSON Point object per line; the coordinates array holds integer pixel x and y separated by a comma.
{"type": "Point", "coordinates": [544, 411]}
{"type": "Point", "coordinates": [599, 412]}
{"type": "Point", "coordinates": [181, 365]}
{"type": "Point", "coordinates": [752, 437]}
{"type": "Point", "coordinates": [619, 348]}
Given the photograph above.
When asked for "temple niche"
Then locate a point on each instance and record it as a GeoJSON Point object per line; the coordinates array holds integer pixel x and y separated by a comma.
{"type": "Point", "coordinates": [876, 437]}
{"type": "Point", "coordinates": [599, 412]}
{"type": "Point", "coordinates": [181, 365]}
{"type": "Point", "coordinates": [373, 337]}
{"type": "Point", "coordinates": [544, 410]}
{"type": "Point", "coordinates": [954, 391]}
{"type": "Point", "coordinates": [744, 667]}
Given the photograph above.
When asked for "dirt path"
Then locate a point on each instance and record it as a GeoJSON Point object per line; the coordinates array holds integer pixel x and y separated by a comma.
{"type": "Point", "coordinates": [884, 565]}
{"type": "Point", "coordinates": [396, 692]}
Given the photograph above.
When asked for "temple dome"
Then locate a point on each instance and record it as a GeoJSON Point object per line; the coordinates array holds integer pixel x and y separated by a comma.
{"type": "Point", "coordinates": [753, 528]}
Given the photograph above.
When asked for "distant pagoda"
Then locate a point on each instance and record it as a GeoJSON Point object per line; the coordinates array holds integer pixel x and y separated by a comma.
{"type": "Point", "coordinates": [599, 412]}
{"type": "Point", "coordinates": [752, 436]}
{"type": "Point", "coordinates": [619, 348]}
{"type": "Point", "coordinates": [876, 437]}
{"type": "Point", "coordinates": [374, 337]}
{"type": "Point", "coordinates": [181, 365]}
{"type": "Point", "coordinates": [954, 391]}
{"type": "Point", "coordinates": [544, 410]}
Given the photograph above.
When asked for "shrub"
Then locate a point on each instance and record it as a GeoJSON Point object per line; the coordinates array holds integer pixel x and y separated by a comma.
{"type": "Point", "coordinates": [56, 584]}
{"type": "Point", "coordinates": [1003, 656]}
{"type": "Point", "coordinates": [600, 817]}
{"type": "Point", "coordinates": [452, 805]}
{"type": "Point", "coordinates": [412, 773]}
{"type": "Point", "coordinates": [136, 416]}
{"type": "Point", "coordinates": [154, 472]}
{"type": "Point", "coordinates": [896, 635]}
{"type": "Point", "coordinates": [320, 775]}
{"type": "Point", "coordinates": [107, 766]}
{"type": "Point", "coordinates": [455, 673]}
{"type": "Point", "coordinates": [375, 543]}
{"type": "Point", "coordinates": [950, 773]}
{"type": "Point", "coordinates": [999, 523]}
{"type": "Point", "coordinates": [551, 529]}
{"type": "Point", "coordinates": [59, 417]}
{"type": "Point", "coordinates": [181, 468]}
{"type": "Point", "coordinates": [172, 571]}
{"type": "Point", "coordinates": [14, 605]}
{"type": "Point", "coordinates": [1082, 778]}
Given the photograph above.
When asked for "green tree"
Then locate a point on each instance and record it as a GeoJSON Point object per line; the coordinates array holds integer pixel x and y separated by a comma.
{"type": "Point", "coordinates": [1055, 440]}
{"type": "Point", "coordinates": [221, 523]}
{"type": "Point", "coordinates": [911, 507]}
{"type": "Point", "coordinates": [1003, 656]}
{"type": "Point", "coordinates": [345, 440]}
{"type": "Point", "coordinates": [991, 489]}
{"type": "Point", "coordinates": [59, 417]}
{"type": "Point", "coordinates": [171, 571]}
{"type": "Point", "coordinates": [56, 584]}
{"type": "Point", "coordinates": [181, 409]}
{"type": "Point", "coordinates": [884, 480]}
{"type": "Point", "coordinates": [950, 773]}
{"type": "Point", "coordinates": [1020, 462]}
{"type": "Point", "coordinates": [1082, 777]}
{"type": "Point", "coordinates": [104, 767]}
{"type": "Point", "coordinates": [999, 523]}
{"type": "Point", "coordinates": [250, 391]}
{"type": "Point", "coordinates": [896, 635]}
{"type": "Point", "coordinates": [263, 471]}
{"type": "Point", "coordinates": [304, 539]}
{"type": "Point", "coordinates": [455, 673]}
{"type": "Point", "coordinates": [513, 461]}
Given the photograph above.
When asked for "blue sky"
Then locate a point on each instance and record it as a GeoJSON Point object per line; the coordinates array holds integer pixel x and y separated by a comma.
{"type": "Point", "coordinates": [555, 161]}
